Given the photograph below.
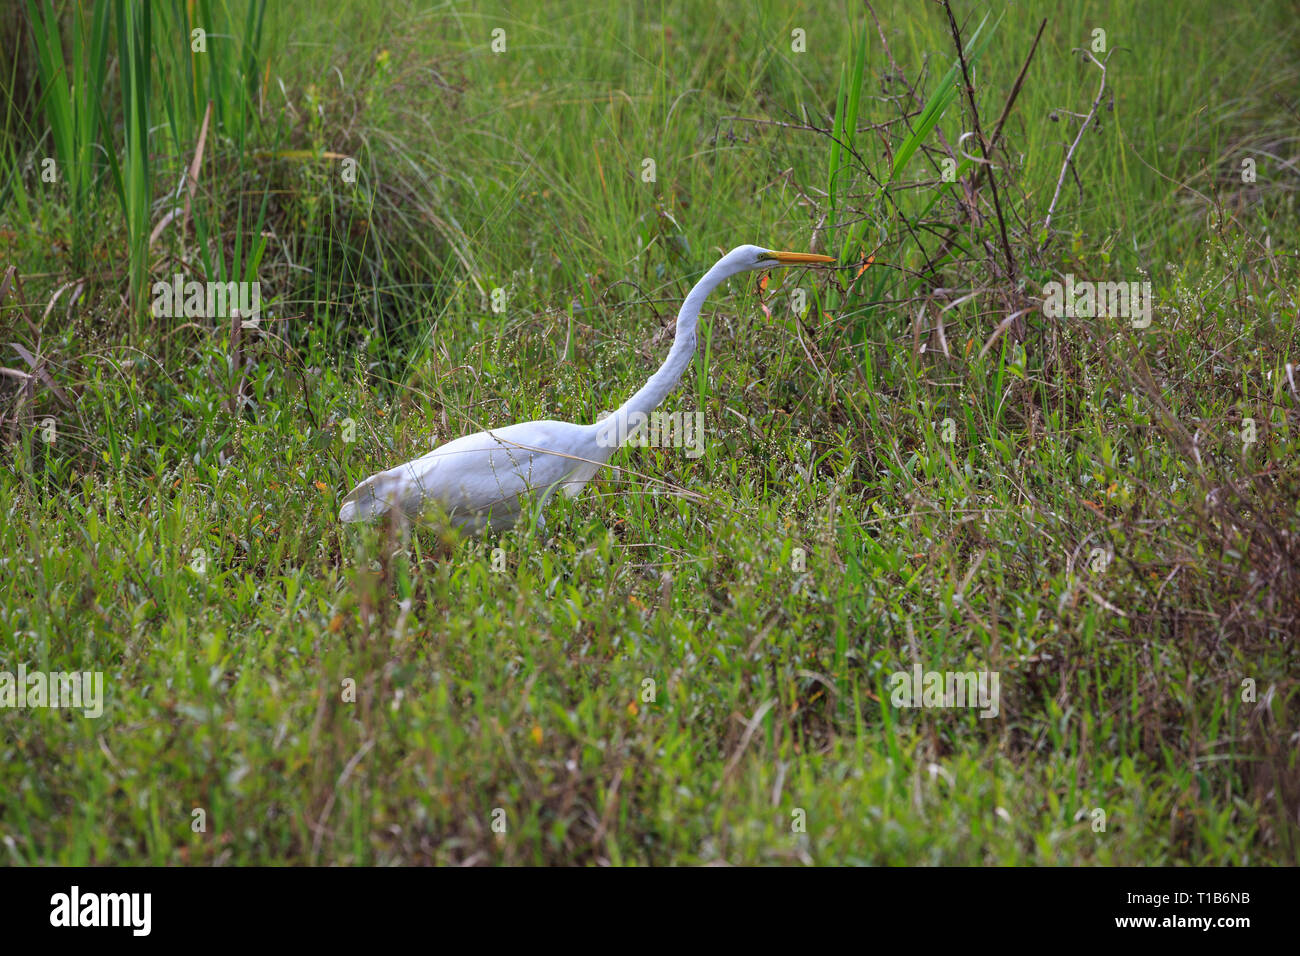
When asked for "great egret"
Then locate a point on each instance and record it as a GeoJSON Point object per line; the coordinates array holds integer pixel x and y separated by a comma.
{"type": "Point", "coordinates": [481, 479]}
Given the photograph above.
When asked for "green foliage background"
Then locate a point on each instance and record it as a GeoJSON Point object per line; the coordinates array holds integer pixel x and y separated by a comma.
{"type": "Point", "coordinates": [693, 664]}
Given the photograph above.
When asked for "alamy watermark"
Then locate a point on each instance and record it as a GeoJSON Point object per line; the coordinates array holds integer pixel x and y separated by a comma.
{"type": "Point", "coordinates": [658, 430]}
{"type": "Point", "coordinates": [207, 300]}
{"type": "Point", "coordinates": [130, 910]}
{"type": "Point", "coordinates": [76, 690]}
{"type": "Point", "coordinates": [1078, 298]}
{"type": "Point", "coordinates": [946, 689]}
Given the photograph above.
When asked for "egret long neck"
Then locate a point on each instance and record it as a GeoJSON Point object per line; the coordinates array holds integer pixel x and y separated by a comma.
{"type": "Point", "coordinates": [613, 431]}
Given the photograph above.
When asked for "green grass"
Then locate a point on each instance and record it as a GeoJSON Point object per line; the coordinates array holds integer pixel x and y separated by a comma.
{"type": "Point", "coordinates": [693, 663]}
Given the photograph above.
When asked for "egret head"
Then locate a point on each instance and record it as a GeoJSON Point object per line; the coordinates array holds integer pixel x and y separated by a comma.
{"type": "Point", "coordinates": [752, 258]}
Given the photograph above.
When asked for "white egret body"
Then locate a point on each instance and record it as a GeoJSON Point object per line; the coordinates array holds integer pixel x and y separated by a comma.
{"type": "Point", "coordinates": [483, 478]}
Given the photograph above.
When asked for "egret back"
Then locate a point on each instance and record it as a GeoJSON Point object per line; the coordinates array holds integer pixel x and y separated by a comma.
{"type": "Point", "coordinates": [484, 472]}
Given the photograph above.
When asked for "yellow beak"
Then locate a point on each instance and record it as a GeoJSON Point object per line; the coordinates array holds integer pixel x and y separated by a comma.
{"type": "Point", "coordinates": [800, 258]}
